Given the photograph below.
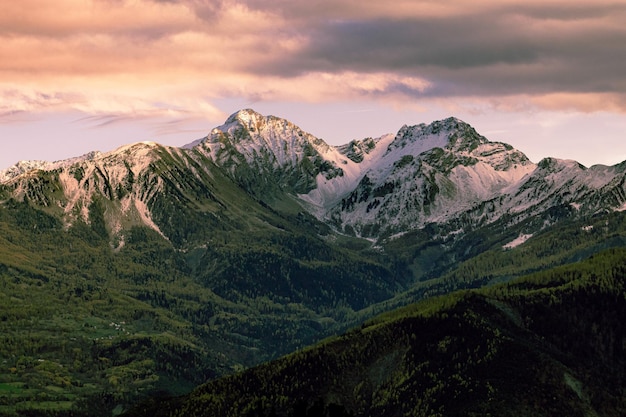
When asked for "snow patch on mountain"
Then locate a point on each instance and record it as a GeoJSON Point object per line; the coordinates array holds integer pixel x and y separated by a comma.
{"type": "Point", "coordinates": [482, 182]}
{"type": "Point", "coordinates": [193, 144]}
{"type": "Point", "coordinates": [415, 140]}
{"type": "Point", "coordinates": [517, 241]}
{"type": "Point", "coordinates": [21, 168]}
{"type": "Point", "coordinates": [145, 216]}
{"type": "Point", "coordinates": [599, 176]}
{"type": "Point", "coordinates": [137, 157]}
{"type": "Point", "coordinates": [330, 191]}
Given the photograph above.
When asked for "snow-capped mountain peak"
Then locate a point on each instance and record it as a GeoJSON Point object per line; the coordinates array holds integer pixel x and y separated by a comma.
{"type": "Point", "coordinates": [248, 117]}
{"type": "Point", "coordinates": [250, 132]}
{"type": "Point", "coordinates": [263, 152]}
{"type": "Point", "coordinates": [450, 132]}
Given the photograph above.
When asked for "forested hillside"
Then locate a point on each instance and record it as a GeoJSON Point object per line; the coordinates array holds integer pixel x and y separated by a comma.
{"type": "Point", "coordinates": [550, 344]}
{"type": "Point", "coordinates": [89, 328]}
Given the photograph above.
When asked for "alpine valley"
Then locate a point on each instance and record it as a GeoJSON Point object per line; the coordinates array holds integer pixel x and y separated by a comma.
{"type": "Point", "coordinates": [135, 275]}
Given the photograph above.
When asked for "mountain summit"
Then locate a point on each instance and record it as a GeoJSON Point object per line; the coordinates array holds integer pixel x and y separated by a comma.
{"type": "Point", "coordinates": [267, 154]}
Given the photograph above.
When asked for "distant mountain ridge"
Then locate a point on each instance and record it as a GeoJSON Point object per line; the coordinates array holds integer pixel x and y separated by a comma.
{"type": "Point", "coordinates": [443, 173]}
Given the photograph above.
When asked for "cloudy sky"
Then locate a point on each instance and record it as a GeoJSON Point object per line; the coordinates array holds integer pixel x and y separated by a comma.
{"type": "Point", "coordinates": [547, 76]}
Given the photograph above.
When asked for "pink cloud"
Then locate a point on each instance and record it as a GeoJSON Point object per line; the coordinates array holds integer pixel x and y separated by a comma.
{"type": "Point", "coordinates": [119, 56]}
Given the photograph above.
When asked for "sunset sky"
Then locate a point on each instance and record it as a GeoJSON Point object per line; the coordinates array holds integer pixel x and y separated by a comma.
{"type": "Point", "coordinates": [546, 76]}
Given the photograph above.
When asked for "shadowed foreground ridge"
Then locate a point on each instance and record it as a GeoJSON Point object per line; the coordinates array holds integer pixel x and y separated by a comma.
{"type": "Point", "coordinates": [551, 344]}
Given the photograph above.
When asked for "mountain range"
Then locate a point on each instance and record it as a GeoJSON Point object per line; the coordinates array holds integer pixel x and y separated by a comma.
{"type": "Point", "coordinates": [444, 173]}
{"type": "Point", "coordinates": [260, 239]}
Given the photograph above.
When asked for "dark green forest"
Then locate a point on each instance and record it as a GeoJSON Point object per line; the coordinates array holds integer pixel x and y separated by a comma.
{"type": "Point", "coordinates": [549, 344]}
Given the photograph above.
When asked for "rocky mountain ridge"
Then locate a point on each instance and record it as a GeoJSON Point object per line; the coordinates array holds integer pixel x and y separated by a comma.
{"type": "Point", "coordinates": [443, 173]}
{"type": "Point", "coordinates": [435, 173]}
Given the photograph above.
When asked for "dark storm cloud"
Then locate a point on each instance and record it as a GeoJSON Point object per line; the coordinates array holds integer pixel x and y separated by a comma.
{"type": "Point", "coordinates": [516, 49]}
{"type": "Point", "coordinates": [567, 11]}
{"type": "Point", "coordinates": [412, 45]}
